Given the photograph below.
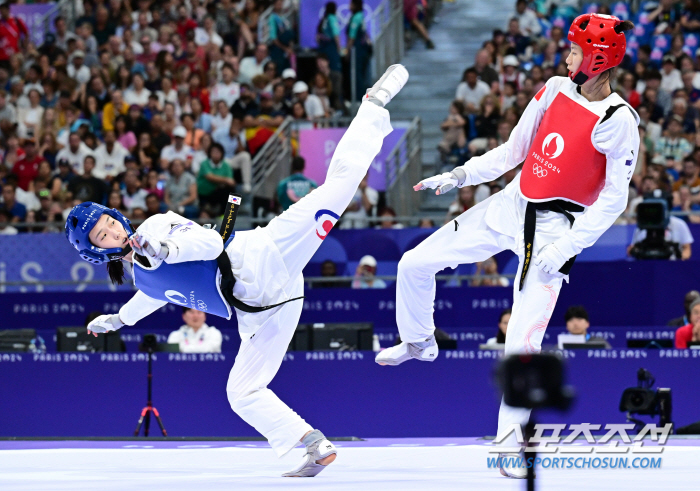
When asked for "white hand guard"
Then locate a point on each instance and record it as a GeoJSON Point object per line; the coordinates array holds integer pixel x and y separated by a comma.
{"type": "Point", "coordinates": [149, 246]}
{"type": "Point", "coordinates": [550, 259]}
{"type": "Point", "coordinates": [443, 182]}
{"type": "Point", "coordinates": [105, 323]}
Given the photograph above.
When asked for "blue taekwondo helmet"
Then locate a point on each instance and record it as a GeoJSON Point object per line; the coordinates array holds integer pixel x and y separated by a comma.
{"type": "Point", "coordinates": [81, 219]}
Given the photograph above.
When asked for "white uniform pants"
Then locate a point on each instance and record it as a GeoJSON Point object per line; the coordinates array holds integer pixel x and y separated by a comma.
{"type": "Point", "coordinates": [475, 241]}
{"type": "Point", "coordinates": [296, 233]}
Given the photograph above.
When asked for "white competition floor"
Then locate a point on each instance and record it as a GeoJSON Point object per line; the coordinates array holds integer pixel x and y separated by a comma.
{"type": "Point", "coordinates": [387, 464]}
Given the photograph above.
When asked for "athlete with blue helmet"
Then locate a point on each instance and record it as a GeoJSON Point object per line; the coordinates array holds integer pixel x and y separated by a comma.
{"type": "Point", "coordinates": [257, 273]}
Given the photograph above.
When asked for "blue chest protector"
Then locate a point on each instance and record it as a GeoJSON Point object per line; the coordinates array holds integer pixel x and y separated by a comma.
{"type": "Point", "coordinates": [193, 284]}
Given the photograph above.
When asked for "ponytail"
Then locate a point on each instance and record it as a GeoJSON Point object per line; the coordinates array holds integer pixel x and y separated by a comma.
{"type": "Point", "coordinates": [115, 270]}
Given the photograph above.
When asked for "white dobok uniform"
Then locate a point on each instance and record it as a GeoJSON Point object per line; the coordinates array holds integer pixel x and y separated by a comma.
{"type": "Point", "coordinates": [497, 223]}
{"type": "Point", "coordinates": [267, 264]}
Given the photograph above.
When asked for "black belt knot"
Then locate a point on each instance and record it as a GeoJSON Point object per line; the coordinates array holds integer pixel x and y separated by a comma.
{"type": "Point", "coordinates": [557, 206]}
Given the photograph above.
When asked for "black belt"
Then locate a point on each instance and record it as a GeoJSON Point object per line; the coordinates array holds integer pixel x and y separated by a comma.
{"type": "Point", "coordinates": [227, 279]}
{"type": "Point", "coordinates": [558, 206]}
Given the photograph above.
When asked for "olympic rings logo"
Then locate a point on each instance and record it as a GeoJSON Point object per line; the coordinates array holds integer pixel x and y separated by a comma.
{"type": "Point", "coordinates": [201, 306]}
{"type": "Point", "coordinates": [539, 171]}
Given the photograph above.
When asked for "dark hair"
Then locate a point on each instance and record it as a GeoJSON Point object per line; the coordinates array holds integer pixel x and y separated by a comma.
{"type": "Point", "coordinates": [217, 145]}
{"type": "Point", "coordinates": [500, 337]}
{"type": "Point", "coordinates": [467, 72]}
{"type": "Point", "coordinates": [298, 164]}
{"type": "Point", "coordinates": [115, 270]}
{"type": "Point", "coordinates": [356, 6]}
{"type": "Point", "coordinates": [576, 311]}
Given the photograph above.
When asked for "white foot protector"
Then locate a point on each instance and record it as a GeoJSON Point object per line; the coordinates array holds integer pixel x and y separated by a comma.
{"type": "Point", "coordinates": [424, 351]}
{"type": "Point", "coordinates": [386, 88]}
{"type": "Point", "coordinates": [513, 465]}
{"type": "Point", "coordinates": [314, 452]}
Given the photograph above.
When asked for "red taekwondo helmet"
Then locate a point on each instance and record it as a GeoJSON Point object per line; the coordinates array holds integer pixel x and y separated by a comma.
{"type": "Point", "coordinates": [603, 46]}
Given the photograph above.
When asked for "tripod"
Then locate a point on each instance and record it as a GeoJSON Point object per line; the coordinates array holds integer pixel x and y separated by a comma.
{"type": "Point", "coordinates": [146, 411]}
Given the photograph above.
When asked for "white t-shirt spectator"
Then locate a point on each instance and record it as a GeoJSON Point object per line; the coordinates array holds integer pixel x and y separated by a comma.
{"type": "Point", "coordinates": [314, 107]}
{"type": "Point", "coordinates": [169, 97]}
{"type": "Point", "coordinates": [222, 92]}
{"type": "Point", "coordinates": [109, 164]}
{"type": "Point", "coordinates": [136, 200]}
{"type": "Point", "coordinates": [249, 68]}
{"type": "Point", "coordinates": [217, 122]}
{"type": "Point", "coordinates": [472, 96]}
{"type": "Point", "coordinates": [82, 74]}
{"type": "Point", "coordinates": [671, 81]}
{"type": "Point", "coordinates": [74, 159]}
{"type": "Point", "coordinates": [207, 339]}
{"type": "Point", "coordinates": [358, 218]}
{"type": "Point", "coordinates": [202, 38]}
{"type": "Point", "coordinates": [170, 153]}
{"type": "Point", "coordinates": [138, 98]}
{"type": "Point", "coordinates": [529, 25]}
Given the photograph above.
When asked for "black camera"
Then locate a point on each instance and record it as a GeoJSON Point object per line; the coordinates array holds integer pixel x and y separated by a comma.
{"type": "Point", "coordinates": [653, 216]}
{"type": "Point", "coordinates": [534, 381]}
{"type": "Point", "coordinates": [643, 400]}
{"type": "Point", "coordinates": [150, 343]}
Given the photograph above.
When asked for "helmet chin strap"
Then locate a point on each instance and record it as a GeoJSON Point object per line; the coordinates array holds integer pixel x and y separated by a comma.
{"type": "Point", "coordinates": [120, 255]}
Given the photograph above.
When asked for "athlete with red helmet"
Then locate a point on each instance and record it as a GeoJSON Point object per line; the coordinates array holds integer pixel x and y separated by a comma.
{"type": "Point", "coordinates": [578, 141]}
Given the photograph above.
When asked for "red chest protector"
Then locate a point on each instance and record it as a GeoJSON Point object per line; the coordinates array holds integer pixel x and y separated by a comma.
{"type": "Point", "coordinates": [562, 162]}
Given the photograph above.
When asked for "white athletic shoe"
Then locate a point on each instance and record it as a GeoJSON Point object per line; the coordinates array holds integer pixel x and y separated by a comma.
{"type": "Point", "coordinates": [514, 465]}
{"type": "Point", "coordinates": [405, 351]}
{"type": "Point", "coordinates": [314, 452]}
{"type": "Point", "coordinates": [386, 88]}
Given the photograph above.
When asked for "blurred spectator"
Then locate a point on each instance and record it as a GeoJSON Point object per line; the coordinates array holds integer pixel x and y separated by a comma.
{"type": "Point", "coordinates": [670, 75]}
{"type": "Point", "coordinates": [228, 90]}
{"type": "Point", "coordinates": [688, 300]}
{"type": "Point", "coordinates": [426, 223]}
{"type": "Point", "coordinates": [192, 135]}
{"type": "Point", "coordinates": [528, 22]}
{"type": "Point", "coordinates": [109, 157]}
{"type": "Point", "coordinates": [252, 65]}
{"type": "Point", "coordinates": [502, 328]}
{"type": "Point", "coordinates": [365, 274]}
{"type": "Point", "coordinates": [328, 38]}
{"type": "Point", "coordinates": [359, 43]}
{"type": "Point", "coordinates": [153, 185]}
{"type": "Point", "coordinates": [8, 114]}
{"type": "Point", "coordinates": [684, 198]}
{"type": "Point", "coordinates": [387, 219]}
{"type": "Point", "coordinates": [5, 220]}
{"type": "Point", "coordinates": [235, 153]}
{"type": "Point", "coordinates": [112, 109]}
{"type": "Point", "coordinates": [291, 189]}
{"type": "Point", "coordinates": [312, 104]}
{"type": "Point", "coordinates": [134, 197]}
{"type": "Point", "coordinates": [74, 153]}
{"type": "Point", "coordinates": [483, 68]}
{"type": "Point", "coordinates": [222, 118]}
{"type": "Point", "coordinates": [195, 336]}
{"type": "Point", "coordinates": [330, 270]}
{"type": "Point", "coordinates": [674, 148]}
{"type": "Point", "coordinates": [691, 331]}
{"type": "Point", "coordinates": [215, 180]}
{"type": "Point", "coordinates": [410, 12]}
{"type": "Point", "coordinates": [87, 187]}
{"type": "Point", "coordinates": [146, 154]}
{"type": "Point", "coordinates": [453, 129]}
{"type": "Point", "coordinates": [471, 90]}
{"type": "Point", "coordinates": [16, 210]}
{"type": "Point", "coordinates": [281, 37]}
{"type": "Point", "coordinates": [27, 168]}
{"type": "Point", "coordinates": [489, 267]}
{"type": "Point", "coordinates": [177, 150]}
{"type": "Point", "coordinates": [362, 206]}
{"type": "Point", "coordinates": [152, 205]}
{"type": "Point", "coordinates": [181, 190]}
{"type": "Point", "coordinates": [464, 201]}
{"type": "Point", "coordinates": [14, 34]}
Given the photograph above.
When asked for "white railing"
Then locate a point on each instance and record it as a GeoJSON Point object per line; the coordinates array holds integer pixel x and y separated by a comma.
{"type": "Point", "coordinates": [403, 171]}
{"type": "Point", "coordinates": [272, 162]}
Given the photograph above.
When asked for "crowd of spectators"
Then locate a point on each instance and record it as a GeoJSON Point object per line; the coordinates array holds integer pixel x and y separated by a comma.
{"type": "Point", "coordinates": [659, 78]}
{"type": "Point", "coordinates": [149, 105]}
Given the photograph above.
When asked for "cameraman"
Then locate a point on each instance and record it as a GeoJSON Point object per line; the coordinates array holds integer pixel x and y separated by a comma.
{"type": "Point", "coordinates": [677, 232]}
